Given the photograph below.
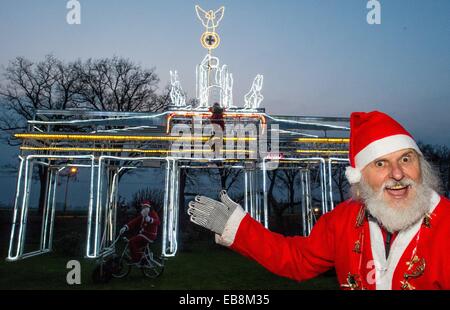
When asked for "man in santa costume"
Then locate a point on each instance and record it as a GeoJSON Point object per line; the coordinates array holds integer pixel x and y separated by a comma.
{"type": "Point", "coordinates": [144, 229]}
{"type": "Point", "coordinates": [394, 233]}
{"type": "Point", "coordinates": [218, 123]}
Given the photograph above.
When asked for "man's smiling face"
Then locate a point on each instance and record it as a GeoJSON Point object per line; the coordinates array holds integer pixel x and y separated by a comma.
{"type": "Point", "coordinates": [396, 176]}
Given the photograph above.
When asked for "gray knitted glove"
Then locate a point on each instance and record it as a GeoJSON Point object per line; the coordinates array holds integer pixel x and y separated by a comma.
{"type": "Point", "coordinates": [210, 213]}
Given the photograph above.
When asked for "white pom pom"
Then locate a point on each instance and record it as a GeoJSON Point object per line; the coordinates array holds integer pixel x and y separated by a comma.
{"type": "Point", "coordinates": [353, 175]}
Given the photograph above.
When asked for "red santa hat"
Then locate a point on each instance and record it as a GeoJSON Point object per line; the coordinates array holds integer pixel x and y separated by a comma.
{"type": "Point", "coordinates": [146, 204]}
{"type": "Point", "coordinates": [373, 135]}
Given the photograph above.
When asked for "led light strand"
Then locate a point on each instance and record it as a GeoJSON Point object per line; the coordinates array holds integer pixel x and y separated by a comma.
{"type": "Point", "coordinates": [322, 151]}
{"type": "Point", "coordinates": [120, 138]}
{"type": "Point", "coordinates": [305, 123]}
{"type": "Point", "coordinates": [87, 149]}
{"type": "Point", "coordinates": [98, 120]}
{"type": "Point", "coordinates": [254, 97]}
{"type": "Point", "coordinates": [177, 95]}
{"type": "Point", "coordinates": [324, 140]}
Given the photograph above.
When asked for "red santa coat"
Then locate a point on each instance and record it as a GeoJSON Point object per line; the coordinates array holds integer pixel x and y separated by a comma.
{"type": "Point", "coordinates": [146, 227]}
{"type": "Point", "coordinates": [345, 239]}
{"type": "Point", "coordinates": [217, 118]}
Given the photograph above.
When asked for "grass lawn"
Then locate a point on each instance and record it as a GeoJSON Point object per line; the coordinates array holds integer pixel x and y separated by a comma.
{"type": "Point", "coordinates": [205, 266]}
{"type": "Point", "coordinates": [200, 265]}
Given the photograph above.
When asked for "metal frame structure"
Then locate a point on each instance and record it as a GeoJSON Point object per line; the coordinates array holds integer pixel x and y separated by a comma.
{"type": "Point", "coordinates": [111, 143]}
{"type": "Point", "coordinates": [252, 196]}
{"type": "Point", "coordinates": [20, 214]}
{"type": "Point", "coordinates": [101, 243]}
{"type": "Point", "coordinates": [331, 161]}
{"type": "Point", "coordinates": [304, 165]}
{"type": "Point", "coordinates": [107, 139]}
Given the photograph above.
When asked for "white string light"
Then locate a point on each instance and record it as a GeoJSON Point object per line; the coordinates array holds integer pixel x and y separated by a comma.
{"type": "Point", "coordinates": [254, 97]}
{"type": "Point", "coordinates": [114, 118]}
{"type": "Point", "coordinates": [305, 123]}
{"type": "Point", "coordinates": [177, 95]}
{"type": "Point", "coordinates": [220, 82]}
{"type": "Point", "coordinates": [210, 19]}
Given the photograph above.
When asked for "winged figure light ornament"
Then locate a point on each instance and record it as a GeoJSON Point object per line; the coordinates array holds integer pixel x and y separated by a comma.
{"type": "Point", "coordinates": [210, 19]}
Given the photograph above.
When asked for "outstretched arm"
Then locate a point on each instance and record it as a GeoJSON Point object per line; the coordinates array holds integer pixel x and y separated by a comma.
{"type": "Point", "coordinates": [299, 258]}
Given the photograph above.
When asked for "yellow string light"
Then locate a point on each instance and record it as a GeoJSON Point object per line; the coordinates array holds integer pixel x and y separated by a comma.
{"type": "Point", "coordinates": [322, 151]}
{"type": "Point", "coordinates": [287, 161]}
{"type": "Point", "coordinates": [324, 140]}
{"type": "Point", "coordinates": [88, 149]}
{"type": "Point", "coordinates": [118, 138]}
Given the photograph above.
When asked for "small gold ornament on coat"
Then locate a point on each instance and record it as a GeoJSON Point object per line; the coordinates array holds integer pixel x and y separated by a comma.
{"type": "Point", "coordinates": [360, 217]}
{"type": "Point", "coordinates": [357, 247]}
{"type": "Point", "coordinates": [406, 286]}
{"type": "Point", "coordinates": [417, 271]}
{"type": "Point", "coordinates": [427, 221]}
{"type": "Point", "coordinates": [352, 282]}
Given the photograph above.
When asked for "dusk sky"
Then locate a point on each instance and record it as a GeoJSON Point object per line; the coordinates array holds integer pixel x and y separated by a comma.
{"type": "Point", "coordinates": [318, 57]}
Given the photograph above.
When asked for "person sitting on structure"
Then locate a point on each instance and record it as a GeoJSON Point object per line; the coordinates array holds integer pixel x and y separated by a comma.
{"type": "Point", "coordinates": [143, 228]}
{"type": "Point", "coordinates": [217, 120]}
{"type": "Point", "coordinates": [217, 115]}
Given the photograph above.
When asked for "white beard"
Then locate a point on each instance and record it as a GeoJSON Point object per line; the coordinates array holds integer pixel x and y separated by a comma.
{"type": "Point", "coordinates": [400, 215]}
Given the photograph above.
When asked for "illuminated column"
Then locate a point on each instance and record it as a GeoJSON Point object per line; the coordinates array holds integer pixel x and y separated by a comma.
{"type": "Point", "coordinates": [246, 204]}
{"type": "Point", "coordinates": [115, 197]}
{"type": "Point", "coordinates": [257, 197]}
{"type": "Point", "coordinates": [307, 216]}
{"type": "Point", "coordinates": [166, 210]}
{"type": "Point", "coordinates": [323, 185]}
{"type": "Point", "coordinates": [338, 161]}
{"type": "Point", "coordinates": [107, 229]}
{"type": "Point", "coordinates": [251, 193]}
{"type": "Point", "coordinates": [98, 208]}
{"type": "Point", "coordinates": [91, 242]}
{"type": "Point", "coordinates": [13, 252]}
{"type": "Point", "coordinates": [49, 210]}
{"type": "Point", "coordinates": [25, 204]}
{"type": "Point", "coordinates": [265, 196]}
{"type": "Point", "coordinates": [170, 227]}
{"type": "Point", "coordinates": [104, 220]}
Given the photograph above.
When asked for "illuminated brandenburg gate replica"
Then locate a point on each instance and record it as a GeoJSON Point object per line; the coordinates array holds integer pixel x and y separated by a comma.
{"type": "Point", "coordinates": [107, 145]}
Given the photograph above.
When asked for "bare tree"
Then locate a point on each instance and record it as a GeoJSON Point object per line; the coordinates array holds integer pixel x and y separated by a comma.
{"type": "Point", "coordinates": [338, 176]}
{"type": "Point", "coordinates": [117, 84]}
{"type": "Point", "coordinates": [439, 156]}
{"type": "Point", "coordinates": [153, 195]}
{"type": "Point", "coordinates": [67, 87]}
{"type": "Point", "coordinates": [226, 176]}
{"type": "Point", "coordinates": [158, 102]}
{"type": "Point", "coordinates": [110, 84]}
{"type": "Point", "coordinates": [278, 206]}
{"type": "Point", "coordinates": [288, 178]}
{"type": "Point", "coordinates": [31, 86]}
